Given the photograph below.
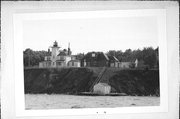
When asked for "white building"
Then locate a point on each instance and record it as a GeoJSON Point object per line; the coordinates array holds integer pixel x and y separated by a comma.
{"type": "Point", "coordinates": [136, 63]}
{"type": "Point", "coordinates": [113, 61]}
{"type": "Point", "coordinates": [102, 88]}
{"type": "Point", "coordinates": [125, 64]}
{"type": "Point", "coordinates": [58, 58]}
{"type": "Point", "coordinates": [74, 63]}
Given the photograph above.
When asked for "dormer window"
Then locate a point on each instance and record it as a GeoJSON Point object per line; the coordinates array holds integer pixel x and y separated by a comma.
{"type": "Point", "coordinates": [93, 54]}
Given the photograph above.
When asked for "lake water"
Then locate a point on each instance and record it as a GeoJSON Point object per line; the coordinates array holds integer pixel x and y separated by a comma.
{"type": "Point", "coordinates": [58, 101]}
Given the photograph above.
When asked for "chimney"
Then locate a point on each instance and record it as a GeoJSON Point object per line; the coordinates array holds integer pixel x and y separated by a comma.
{"type": "Point", "coordinates": [69, 50]}
{"type": "Point", "coordinates": [49, 52]}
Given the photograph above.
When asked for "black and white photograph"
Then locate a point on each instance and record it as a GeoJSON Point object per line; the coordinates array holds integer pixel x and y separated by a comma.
{"type": "Point", "coordinates": [91, 63]}
{"type": "Point", "coordinates": [88, 60]}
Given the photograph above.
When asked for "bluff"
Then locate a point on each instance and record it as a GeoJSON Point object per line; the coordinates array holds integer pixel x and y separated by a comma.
{"type": "Point", "coordinates": [74, 80]}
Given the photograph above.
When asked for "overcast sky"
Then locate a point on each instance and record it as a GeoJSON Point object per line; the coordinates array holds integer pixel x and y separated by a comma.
{"type": "Point", "coordinates": [95, 34]}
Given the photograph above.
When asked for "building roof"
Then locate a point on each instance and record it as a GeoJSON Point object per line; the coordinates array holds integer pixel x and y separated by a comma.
{"type": "Point", "coordinates": [104, 84]}
{"type": "Point", "coordinates": [106, 56]}
{"type": "Point", "coordinates": [99, 56]}
{"type": "Point", "coordinates": [62, 53]}
{"type": "Point", "coordinates": [73, 55]}
{"type": "Point", "coordinates": [113, 58]}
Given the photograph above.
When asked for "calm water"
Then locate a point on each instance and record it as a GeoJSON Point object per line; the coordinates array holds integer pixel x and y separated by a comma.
{"type": "Point", "coordinates": [58, 101]}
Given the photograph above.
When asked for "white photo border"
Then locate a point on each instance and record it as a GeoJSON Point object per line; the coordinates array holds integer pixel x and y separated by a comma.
{"type": "Point", "coordinates": [18, 20]}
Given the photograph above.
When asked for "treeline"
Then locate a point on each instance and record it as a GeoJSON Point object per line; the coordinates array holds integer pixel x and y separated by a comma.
{"type": "Point", "coordinates": [149, 56]}
{"type": "Point", "coordinates": [32, 58]}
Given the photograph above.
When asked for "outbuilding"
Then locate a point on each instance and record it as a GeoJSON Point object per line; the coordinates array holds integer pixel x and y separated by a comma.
{"type": "Point", "coordinates": [95, 59]}
{"type": "Point", "coordinates": [74, 63]}
{"type": "Point", "coordinates": [102, 88]}
{"type": "Point", "coordinates": [125, 64]}
{"type": "Point", "coordinates": [113, 61]}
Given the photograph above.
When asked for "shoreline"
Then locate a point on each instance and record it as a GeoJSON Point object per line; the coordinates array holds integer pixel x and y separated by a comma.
{"type": "Point", "coordinates": [56, 101]}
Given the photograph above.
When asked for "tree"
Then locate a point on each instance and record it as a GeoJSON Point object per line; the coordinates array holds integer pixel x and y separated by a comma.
{"type": "Point", "coordinates": [149, 58]}
{"type": "Point", "coordinates": [148, 55]}
{"type": "Point", "coordinates": [32, 58]}
{"type": "Point", "coordinates": [79, 56]}
{"type": "Point", "coordinates": [112, 53]}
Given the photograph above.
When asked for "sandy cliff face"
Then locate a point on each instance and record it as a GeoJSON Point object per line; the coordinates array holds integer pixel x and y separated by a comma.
{"type": "Point", "coordinates": [74, 80]}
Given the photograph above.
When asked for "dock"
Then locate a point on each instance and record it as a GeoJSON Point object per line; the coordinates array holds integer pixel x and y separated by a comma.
{"type": "Point", "coordinates": [97, 94]}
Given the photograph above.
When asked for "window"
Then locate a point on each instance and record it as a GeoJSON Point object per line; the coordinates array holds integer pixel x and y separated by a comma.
{"type": "Point", "coordinates": [62, 58]}
{"type": "Point", "coordinates": [93, 54]}
{"type": "Point", "coordinates": [59, 63]}
{"type": "Point", "coordinates": [49, 64]}
{"type": "Point", "coordinates": [48, 58]}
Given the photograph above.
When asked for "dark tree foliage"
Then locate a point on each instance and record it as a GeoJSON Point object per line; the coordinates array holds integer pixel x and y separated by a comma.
{"type": "Point", "coordinates": [32, 58]}
{"type": "Point", "coordinates": [79, 56]}
{"type": "Point", "coordinates": [148, 55]}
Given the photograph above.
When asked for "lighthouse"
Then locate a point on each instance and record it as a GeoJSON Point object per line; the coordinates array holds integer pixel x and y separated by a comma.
{"type": "Point", "coordinates": [59, 58]}
{"type": "Point", "coordinates": [55, 52]}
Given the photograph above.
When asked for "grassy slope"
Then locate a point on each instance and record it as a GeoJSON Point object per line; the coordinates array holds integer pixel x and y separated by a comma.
{"type": "Point", "coordinates": [73, 80]}
{"type": "Point", "coordinates": [136, 82]}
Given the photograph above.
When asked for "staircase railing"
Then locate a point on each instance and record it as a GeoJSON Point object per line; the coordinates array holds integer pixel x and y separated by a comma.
{"type": "Point", "coordinates": [98, 78]}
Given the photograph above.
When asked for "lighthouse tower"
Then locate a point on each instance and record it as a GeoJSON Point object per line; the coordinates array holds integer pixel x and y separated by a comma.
{"type": "Point", "coordinates": [55, 52]}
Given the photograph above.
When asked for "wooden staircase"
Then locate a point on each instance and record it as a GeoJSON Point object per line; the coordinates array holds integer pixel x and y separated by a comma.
{"type": "Point", "coordinates": [98, 79]}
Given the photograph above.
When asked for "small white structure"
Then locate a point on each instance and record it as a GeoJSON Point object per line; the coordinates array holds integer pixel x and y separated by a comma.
{"type": "Point", "coordinates": [74, 63]}
{"type": "Point", "coordinates": [102, 88]}
{"type": "Point", "coordinates": [136, 63]}
{"type": "Point", "coordinates": [125, 64]}
{"type": "Point", "coordinates": [115, 64]}
{"type": "Point", "coordinates": [113, 61]}
{"type": "Point", "coordinates": [45, 64]}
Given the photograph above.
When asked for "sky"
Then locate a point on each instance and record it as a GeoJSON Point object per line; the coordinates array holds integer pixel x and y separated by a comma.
{"type": "Point", "coordinates": [92, 34]}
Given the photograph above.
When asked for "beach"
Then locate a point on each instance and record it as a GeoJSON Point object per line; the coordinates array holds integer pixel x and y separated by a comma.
{"type": "Point", "coordinates": [60, 101]}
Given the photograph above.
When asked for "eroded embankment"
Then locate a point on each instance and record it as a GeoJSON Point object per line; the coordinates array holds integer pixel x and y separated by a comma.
{"type": "Point", "coordinates": [74, 80]}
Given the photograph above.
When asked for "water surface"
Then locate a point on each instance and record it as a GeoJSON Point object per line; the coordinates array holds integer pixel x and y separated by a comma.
{"type": "Point", "coordinates": [58, 101]}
